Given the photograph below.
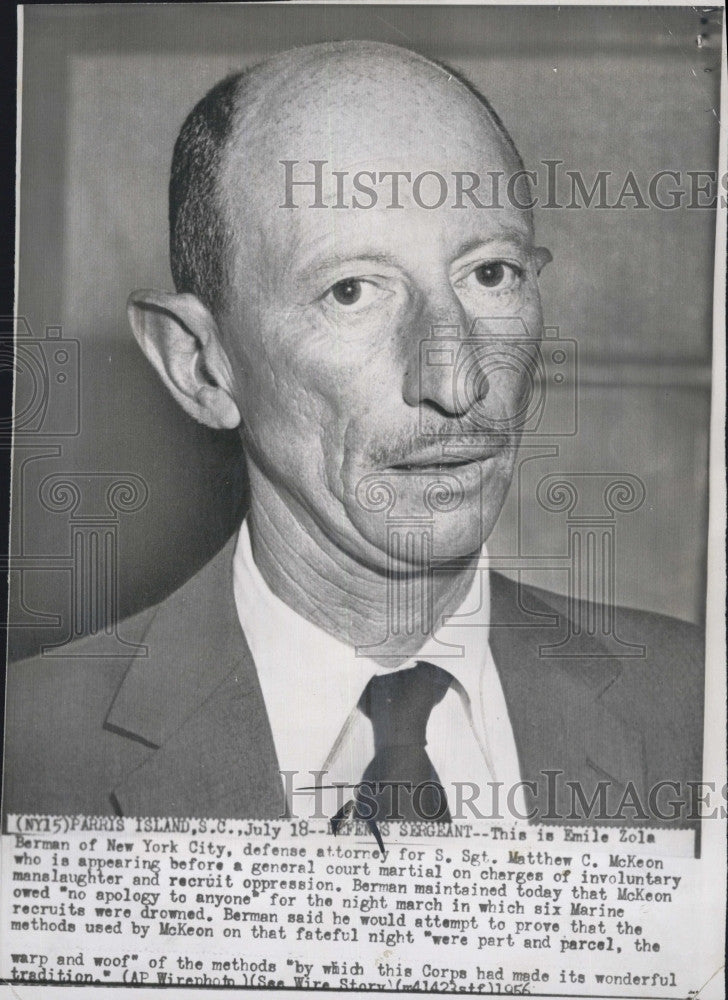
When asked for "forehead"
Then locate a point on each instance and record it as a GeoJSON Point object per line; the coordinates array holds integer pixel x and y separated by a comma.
{"type": "Point", "coordinates": [363, 115]}
{"type": "Point", "coordinates": [352, 104]}
{"type": "Point", "coordinates": [368, 107]}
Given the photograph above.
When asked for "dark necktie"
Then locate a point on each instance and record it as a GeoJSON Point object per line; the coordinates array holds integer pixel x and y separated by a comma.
{"type": "Point", "coordinates": [399, 705]}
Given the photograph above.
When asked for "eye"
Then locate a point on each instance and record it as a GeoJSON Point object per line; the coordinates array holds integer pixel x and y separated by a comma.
{"type": "Point", "coordinates": [490, 275]}
{"type": "Point", "coordinates": [347, 292]}
{"type": "Point", "coordinates": [355, 295]}
{"type": "Point", "coordinates": [497, 274]}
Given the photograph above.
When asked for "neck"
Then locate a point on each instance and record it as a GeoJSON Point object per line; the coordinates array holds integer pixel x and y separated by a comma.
{"type": "Point", "coordinates": [390, 615]}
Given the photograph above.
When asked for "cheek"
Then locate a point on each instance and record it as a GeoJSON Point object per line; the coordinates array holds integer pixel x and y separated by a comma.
{"type": "Point", "coordinates": [510, 386]}
{"type": "Point", "coordinates": [516, 376]}
{"type": "Point", "coordinates": [310, 389]}
{"type": "Point", "coordinates": [295, 406]}
{"type": "Point", "coordinates": [277, 412]}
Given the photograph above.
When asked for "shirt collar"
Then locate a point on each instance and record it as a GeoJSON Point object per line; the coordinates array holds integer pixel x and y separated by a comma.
{"type": "Point", "coordinates": [312, 680]}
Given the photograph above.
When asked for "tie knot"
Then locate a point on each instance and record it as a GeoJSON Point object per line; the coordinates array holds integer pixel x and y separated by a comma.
{"type": "Point", "coordinates": [399, 703]}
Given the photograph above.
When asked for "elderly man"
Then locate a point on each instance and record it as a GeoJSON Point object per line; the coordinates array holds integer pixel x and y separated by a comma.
{"type": "Point", "coordinates": [326, 220]}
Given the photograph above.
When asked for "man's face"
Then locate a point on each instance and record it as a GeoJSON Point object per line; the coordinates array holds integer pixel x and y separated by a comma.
{"type": "Point", "coordinates": [351, 409]}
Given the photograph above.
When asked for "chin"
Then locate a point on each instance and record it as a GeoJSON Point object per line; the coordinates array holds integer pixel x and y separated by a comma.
{"type": "Point", "coordinates": [406, 518]}
{"type": "Point", "coordinates": [402, 544]}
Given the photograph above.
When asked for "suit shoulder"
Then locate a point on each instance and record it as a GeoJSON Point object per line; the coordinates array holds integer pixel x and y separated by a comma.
{"type": "Point", "coordinates": [87, 652]}
{"type": "Point", "coordinates": [95, 660]}
{"type": "Point", "coordinates": [55, 706]}
{"type": "Point", "coordinates": [633, 625]}
{"type": "Point", "coordinates": [661, 660]}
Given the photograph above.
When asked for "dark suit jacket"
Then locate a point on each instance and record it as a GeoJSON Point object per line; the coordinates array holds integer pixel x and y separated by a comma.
{"type": "Point", "coordinates": [183, 731]}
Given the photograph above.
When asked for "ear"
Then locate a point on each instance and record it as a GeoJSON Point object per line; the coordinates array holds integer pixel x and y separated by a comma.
{"type": "Point", "coordinates": [180, 337]}
{"type": "Point", "coordinates": [542, 256]}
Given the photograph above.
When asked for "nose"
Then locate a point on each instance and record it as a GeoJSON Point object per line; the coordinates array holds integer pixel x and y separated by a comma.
{"type": "Point", "coordinates": [439, 357]}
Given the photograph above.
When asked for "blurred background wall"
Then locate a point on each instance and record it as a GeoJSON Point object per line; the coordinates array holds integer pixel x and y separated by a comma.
{"type": "Point", "coordinates": [104, 92]}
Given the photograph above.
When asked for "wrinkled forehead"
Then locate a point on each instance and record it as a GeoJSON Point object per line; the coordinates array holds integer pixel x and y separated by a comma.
{"type": "Point", "coordinates": [357, 110]}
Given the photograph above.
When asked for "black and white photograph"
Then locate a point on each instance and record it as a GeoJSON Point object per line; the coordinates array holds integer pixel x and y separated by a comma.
{"type": "Point", "coordinates": [367, 501]}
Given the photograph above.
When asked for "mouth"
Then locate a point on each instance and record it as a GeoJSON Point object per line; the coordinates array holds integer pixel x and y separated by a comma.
{"type": "Point", "coordinates": [433, 462]}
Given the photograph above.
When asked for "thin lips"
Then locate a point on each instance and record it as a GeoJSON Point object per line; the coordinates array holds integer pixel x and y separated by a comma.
{"type": "Point", "coordinates": [439, 461]}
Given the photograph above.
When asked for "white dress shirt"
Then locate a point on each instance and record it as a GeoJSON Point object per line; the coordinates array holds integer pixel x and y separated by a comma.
{"type": "Point", "coordinates": [312, 682]}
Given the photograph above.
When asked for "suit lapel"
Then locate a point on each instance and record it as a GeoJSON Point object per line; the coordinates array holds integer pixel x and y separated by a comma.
{"type": "Point", "coordinates": [195, 701]}
{"type": "Point", "coordinates": [560, 707]}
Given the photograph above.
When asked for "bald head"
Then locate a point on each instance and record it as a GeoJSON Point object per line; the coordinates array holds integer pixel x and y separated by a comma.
{"type": "Point", "coordinates": [353, 102]}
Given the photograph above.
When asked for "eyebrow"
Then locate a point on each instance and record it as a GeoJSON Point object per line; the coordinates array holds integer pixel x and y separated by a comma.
{"type": "Point", "coordinates": [507, 233]}
{"type": "Point", "coordinates": [335, 260]}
